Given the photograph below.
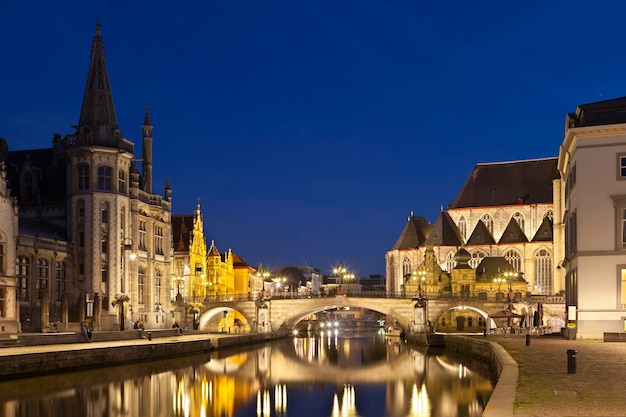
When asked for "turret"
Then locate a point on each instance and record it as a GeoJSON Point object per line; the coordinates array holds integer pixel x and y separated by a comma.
{"type": "Point", "coordinates": [146, 134]}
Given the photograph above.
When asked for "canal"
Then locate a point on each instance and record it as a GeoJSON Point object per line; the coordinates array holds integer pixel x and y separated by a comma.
{"type": "Point", "coordinates": [333, 374]}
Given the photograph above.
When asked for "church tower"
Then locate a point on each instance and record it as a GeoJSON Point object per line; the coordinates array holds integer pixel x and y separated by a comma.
{"type": "Point", "coordinates": [120, 229]}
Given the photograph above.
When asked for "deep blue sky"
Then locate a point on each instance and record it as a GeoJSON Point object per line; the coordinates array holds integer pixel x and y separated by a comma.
{"type": "Point", "coordinates": [309, 130]}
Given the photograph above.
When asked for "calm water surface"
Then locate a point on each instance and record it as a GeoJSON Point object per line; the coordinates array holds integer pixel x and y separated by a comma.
{"type": "Point", "coordinates": [326, 376]}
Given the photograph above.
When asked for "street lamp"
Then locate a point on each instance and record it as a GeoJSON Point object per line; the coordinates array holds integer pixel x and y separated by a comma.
{"type": "Point", "coordinates": [127, 245]}
{"type": "Point", "coordinates": [419, 276]}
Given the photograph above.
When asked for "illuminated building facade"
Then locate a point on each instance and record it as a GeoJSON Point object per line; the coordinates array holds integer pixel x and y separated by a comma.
{"type": "Point", "coordinates": [91, 230]}
{"type": "Point", "coordinates": [592, 163]}
{"type": "Point", "coordinates": [503, 210]}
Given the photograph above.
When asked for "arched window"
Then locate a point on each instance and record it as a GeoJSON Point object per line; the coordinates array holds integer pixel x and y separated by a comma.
{"type": "Point", "coordinates": [83, 177]}
{"type": "Point", "coordinates": [449, 263]}
{"type": "Point", "coordinates": [476, 259]}
{"type": "Point", "coordinates": [549, 215]}
{"type": "Point", "coordinates": [543, 272]}
{"type": "Point", "coordinates": [104, 178]}
{"type": "Point", "coordinates": [140, 284]}
{"type": "Point", "coordinates": [463, 227]}
{"type": "Point", "coordinates": [23, 275]}
{"type": "Point", "coordinates": [514, 259]}
{"type": "Point", "coordinates": [488, 221]}
{"type": "Point", "coordinates": [406, 268]}
{"type": "Point", "coordinates": [519, 218]}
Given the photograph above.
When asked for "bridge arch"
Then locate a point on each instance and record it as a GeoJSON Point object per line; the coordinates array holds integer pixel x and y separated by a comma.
{"type": "Point", "coordinates": [214, 318]}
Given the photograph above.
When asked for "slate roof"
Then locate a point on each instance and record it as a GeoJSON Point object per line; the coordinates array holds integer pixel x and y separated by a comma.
{"type": "Point", "coordinates": [493, 267]}
{"type": "Point", "coordinates": [182, 227]}
{"type": "Point", "coordinates": [41, 227]}
{"type": "Point", "coordinates": [481, 235]}
{"type": "Point", "coordinates": [508, 183]}
{"type": "Point", "coordinates": [545, 231]}
{"type": "Point", "coordinates": [513, 233]}
{"type": "Point", "coordinates": [238, 261]}
{"type": "Point", "coordinates": [414, 234]}
{"type": "Point", "coordinates": [444, 232]}
{"type": "Point", "coordinates": [607, 112]}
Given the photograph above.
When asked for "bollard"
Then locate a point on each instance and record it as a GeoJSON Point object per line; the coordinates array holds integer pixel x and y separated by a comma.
{"type": "Point", "coordinates": [571, 361]}
{"type": "Point", "coordinates": [149, 336]}
{"type": "Point", "coordinates": [527, 339]}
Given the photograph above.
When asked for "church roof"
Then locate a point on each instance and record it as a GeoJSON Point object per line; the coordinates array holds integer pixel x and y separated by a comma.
{"type": "Point", "coordinates": [513, 233]}
{"type": "Point", "coordinates": [414, 234]}
{"type": "Point", "coordinates": [544, 233]}
{"type": "Point", "coordinates": [494, 267]}
{"type": "Point", "coordinates": [238, 261]}
{"type": "Point", "coordinates": [481, 235]}
{"type": "Point", "coordinates": [607, 112]}
{"type": "Point", "coordinates": [508, 183]}
{"type": "Point", "coordinates": [444, 232]}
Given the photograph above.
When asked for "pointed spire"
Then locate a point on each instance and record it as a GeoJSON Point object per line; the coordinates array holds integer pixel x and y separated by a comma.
{"type": "Point", "coordinates": [98, 123]}
{"type": "Point", "coordinates": [147, 152]}
{"type": "Point", "coordinates": [146, 119]}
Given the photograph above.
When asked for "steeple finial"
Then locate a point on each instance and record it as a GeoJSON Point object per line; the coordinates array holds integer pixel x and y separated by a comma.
{"type": "Point", "coordinates": [146, 119]}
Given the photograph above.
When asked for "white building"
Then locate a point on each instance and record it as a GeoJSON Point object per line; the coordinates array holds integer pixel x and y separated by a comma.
{"type": "Point", "coordinates": [592, 163]}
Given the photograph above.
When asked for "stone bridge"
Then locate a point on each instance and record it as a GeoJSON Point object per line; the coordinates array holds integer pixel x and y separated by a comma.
{"type": "Point", "coordinates": [283, 314]}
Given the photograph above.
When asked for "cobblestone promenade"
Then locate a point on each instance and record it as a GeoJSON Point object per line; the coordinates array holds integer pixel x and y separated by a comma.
{"type": "Point", "coordinates": [545, 388]}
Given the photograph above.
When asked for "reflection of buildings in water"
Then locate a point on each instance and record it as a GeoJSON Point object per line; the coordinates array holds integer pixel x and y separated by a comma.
{"type": "Point", "coordinates": [264, 401]}
{"type": "Point", "coordinates": [348, 403]}
{"type": "Point", "coordinates": [420, 404]}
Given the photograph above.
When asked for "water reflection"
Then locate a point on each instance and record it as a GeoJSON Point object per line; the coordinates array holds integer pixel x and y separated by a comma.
{"type": "Point", "coordinates": [331, 375]}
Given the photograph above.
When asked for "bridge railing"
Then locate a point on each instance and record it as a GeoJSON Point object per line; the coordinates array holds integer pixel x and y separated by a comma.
{"type": "Point", "coordinates": [474, 296]}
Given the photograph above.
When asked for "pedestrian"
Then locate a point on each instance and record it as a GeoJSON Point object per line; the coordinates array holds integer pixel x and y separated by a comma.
{"type": "Point", "coordinates": [177, 327]}
{"type": "Point", "coordinates": [141, 328]}
{"type": "Point", "coordinates": [84, 330]}
{"type": "Point", "coordinates": [136, 325]}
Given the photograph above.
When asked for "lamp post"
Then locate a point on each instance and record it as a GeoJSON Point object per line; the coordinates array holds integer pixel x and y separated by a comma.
{"type": "Point", "coordinates": [127, 245]}
{"type": "Point", "coordinates": [499, 281]}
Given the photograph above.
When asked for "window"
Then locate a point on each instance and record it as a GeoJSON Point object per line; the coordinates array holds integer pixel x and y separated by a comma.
{"type": "Point", "coordinates": [476, 259]}
{"type": "Point", "coordinates": [104, 274]}
{"type": "Point", "coordinates": [140, 285]}
{"type": "Point", "coordinates": [406, 268]}
{"type": "Point", "coordinates": [3, 297]}
{"type": "Point", "coordinates": [61, 275]}
{"type": "Point", "coordinates": [104, 178]}
{"type": "Point", "coordinates": [543, 272]}
{"type": "Point", "coordinates": [43, 268]}
{"type": "Point", "coordinates": [158, 240]}
{"type": "Point", "coordinates": [142, 235]}
{"type": "Point", "coordinates": [23, 273]}
{"type": "Point", "coordinates": [463, 227]}
{"type": "Point", "coordinates": [549, 214]}
{"type": "Point", "coordinates": [621, 166]}
{"type": "Point", "coordinates": [519, 218]}
{"type": "Point", "coordinates": [121, 185]}
{"type": "Point", "coordinates": [488, 221]}
{"type": "Point", "coordinates": [623, 287]}
{"type": "Point", "coordinates": [514, 259]}
{"type": "Point", "coordinates": [83, 177]}
{"type": "Point", "coordinates": [449, 265]}
{"type": "Point", "coordinates": [157, 286]}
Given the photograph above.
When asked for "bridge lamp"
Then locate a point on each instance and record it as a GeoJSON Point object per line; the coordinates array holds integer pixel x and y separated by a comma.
{"type": "Point", "coordinates": [295, 332]}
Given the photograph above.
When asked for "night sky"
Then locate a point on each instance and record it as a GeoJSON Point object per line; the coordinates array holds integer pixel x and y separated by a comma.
{"type": "Point", "coordinates": [310, 130]}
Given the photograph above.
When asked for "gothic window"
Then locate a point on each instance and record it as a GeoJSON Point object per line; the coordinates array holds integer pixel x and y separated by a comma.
{"type": "Point", "coordinates": [140, 284]}
{"type": "Point", "coordinates": [514, 259]}
{"type": "Point", "coordinates": [519, 218]}
{"type": "Point", "coordinates": [122, 182]}
{"type": "Point", "coordinates": [488, 221]}
{"type": "Point", "coordinates": [83, 177]}
{"type": "Point", "coordinates": [142, 235]}
{"type": "Point", "coordinates": [43, 273]}
{"type": "Point", "coordinates": [406, 268]}
{"type": "Point", "coordinates": [23, 274]}
{"type": "Point", "coordinates": [476, 259]}
{"type": "Point", "coordinates": [104, 178]}
{"type": "Point", "coordinates": [449, 265]}
{"type": "Point", "coordinates": [549, 214]}
{"type": "Point", "coordinates": [463, 227]}
{"type": "Point", "coordinates": [158, 240]}
{"type": "Point", "coordinates": [543, 272]}
{"type": "Point", "coordinates": [157, 285]}
{"type": "Point", "coordinates": [61, 276]}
